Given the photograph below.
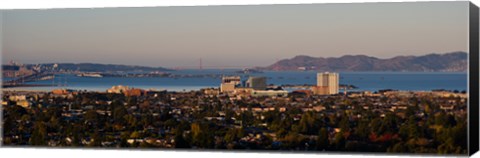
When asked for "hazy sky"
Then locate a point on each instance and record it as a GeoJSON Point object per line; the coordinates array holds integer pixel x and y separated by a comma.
{"type": "Point", "coordinates": [232, 35]}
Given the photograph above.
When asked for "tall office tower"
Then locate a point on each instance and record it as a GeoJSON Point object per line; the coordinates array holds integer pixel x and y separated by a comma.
{"type": "Point", "coordinates": [327, 84]}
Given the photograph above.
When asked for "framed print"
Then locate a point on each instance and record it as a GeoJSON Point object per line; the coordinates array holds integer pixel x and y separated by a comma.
{"type": "Point", "coordinates": [357, 78]}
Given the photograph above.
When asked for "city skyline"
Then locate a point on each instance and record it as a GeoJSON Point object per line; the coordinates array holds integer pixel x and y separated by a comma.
{"type": "Point", "coordinates": [387, 78]}
{"type": "Point", "coordinates": [240, 36]}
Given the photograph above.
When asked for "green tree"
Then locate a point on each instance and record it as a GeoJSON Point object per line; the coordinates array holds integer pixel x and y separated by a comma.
{"type": "Point", "coordinates": [399, 148]}
{"type": "Point", "coordinates": [39, 134]}
{"type": "Point", "coordinates": [118, 114]}
{"type": "Point", "coordinates": [234, 134]}
{"type": "Point", "coordinates": [91, 116]}
{"type": "Point", "coordinates": [322, 141]}
{"type": "Point", "coordinates": [180, 141]}
{"type": "Point", "coordinates": [307, 124]}
{"type": "Point", "coordinates": [362, 130]}
{"type": "Point", "coordinates": [339, 141]}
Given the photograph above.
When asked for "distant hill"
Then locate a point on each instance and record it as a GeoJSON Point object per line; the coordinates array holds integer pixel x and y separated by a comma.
{"type": "Point", "coordinates": [92, 67]}
{"type": "Point", "coordinates": [448, 62]}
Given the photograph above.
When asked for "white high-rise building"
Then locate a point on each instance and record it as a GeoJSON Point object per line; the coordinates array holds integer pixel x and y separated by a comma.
{"type": "Point", "coordinates": [327, 83]}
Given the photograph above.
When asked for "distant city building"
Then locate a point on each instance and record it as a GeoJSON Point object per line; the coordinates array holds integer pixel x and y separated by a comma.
{"type": "Point", "coordinates": [269, 93]}
{"type": "Point", "coordinates": [252, 87]}
{"type": "Point", "coordinates": [211, 91]}
{"type": "Point", "coordinates": [231, 79]}
{"type": "Point", "coordinates": [118, 89]}
{"type": "Point", "coordinates": [229, 83]}
{"type": "Point", "coordinates": [327, 84]}
{"type": "Point", "coordinates": [61, 91]}
{"type": "Point", "coordinates": [243, 92]}
{"type": "Point", "coordinates": [127, 91]}
{"type": "Point", "coordinates": [227, 87]}
{"type": "Point", "coordinates": [15, 71]}
{"type": "Point", "coordinates": [17, 97]}
{"type": "Point", "coordinates": [320, 90]}
{"type": "Point", "coordinates": [9, 70]}
{"type": "Point", "coordinates": [134, 92]}
{"type": "Point", "coordinates": [257, 83]}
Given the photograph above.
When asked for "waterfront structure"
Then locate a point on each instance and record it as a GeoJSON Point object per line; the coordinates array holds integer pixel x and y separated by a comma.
{"type": "Point", "coordinates": [327, 84]}
{"type": "Point", "coordinates": [231, 79]}
{"type": "Point", "coordinates": [254, 87]}
{"type": "Point", "coordinates": [96, 75]}
{"type": "Point", "coordinates": [257, 83]}
{"type": "Point", "coordinates": [229, 83]}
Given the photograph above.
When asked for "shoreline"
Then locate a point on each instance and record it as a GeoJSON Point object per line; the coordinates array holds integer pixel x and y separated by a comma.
{"type": "Point", "coordinates": [190, 90]}
{"type": "Point", "coordinates": [355, 82]}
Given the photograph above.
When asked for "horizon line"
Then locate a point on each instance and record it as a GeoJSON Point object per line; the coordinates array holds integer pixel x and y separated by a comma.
{"type": "Point", "coordinates": [232, 67]}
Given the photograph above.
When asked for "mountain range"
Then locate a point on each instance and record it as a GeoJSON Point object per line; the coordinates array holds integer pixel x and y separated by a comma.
{"type": "Point", "coordinates": [447, 62]}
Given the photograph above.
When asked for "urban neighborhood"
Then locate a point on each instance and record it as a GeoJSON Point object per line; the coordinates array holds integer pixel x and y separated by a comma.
{"type": "Point", "coordinates": [241, 114]}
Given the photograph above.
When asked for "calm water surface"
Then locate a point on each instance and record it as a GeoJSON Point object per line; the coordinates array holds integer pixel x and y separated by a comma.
{"type": "Point", "coordinates": [371, 81]}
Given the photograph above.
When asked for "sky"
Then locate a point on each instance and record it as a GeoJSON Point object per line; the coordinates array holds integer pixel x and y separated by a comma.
{"type": "Point", "coordinates": [232, 36]}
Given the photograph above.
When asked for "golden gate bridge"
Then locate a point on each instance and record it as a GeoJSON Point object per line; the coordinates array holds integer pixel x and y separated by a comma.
{"type": "Point", "coordinates": [201, 66]}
